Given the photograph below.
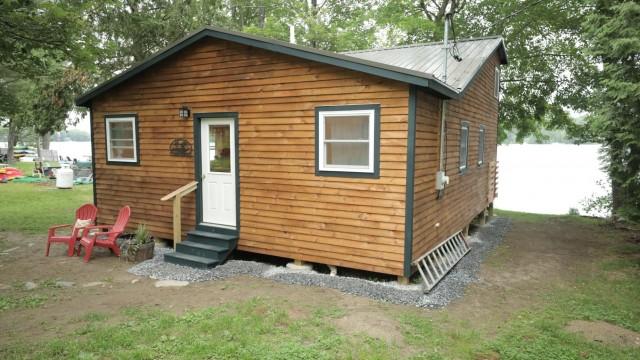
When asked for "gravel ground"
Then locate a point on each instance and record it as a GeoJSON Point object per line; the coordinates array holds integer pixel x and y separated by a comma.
{"type": "Point", "coordinates": [484, 240]}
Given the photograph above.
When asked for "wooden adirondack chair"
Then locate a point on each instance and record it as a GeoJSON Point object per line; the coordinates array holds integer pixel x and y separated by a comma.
{"type": "Point", "coordinates": [106, 239]}
{"type": "Point", "coordinates": [85, 212]}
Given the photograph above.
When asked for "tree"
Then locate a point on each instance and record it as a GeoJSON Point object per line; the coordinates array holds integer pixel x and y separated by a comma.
{"type": "Point", "coordinates": [54, 98]}
{"type": "Point", "coordinates": [15, 110]}
{"type": "Point", "coordinates": [614, 41]}
{"type": "Point", "coordinates": [39, 40]}
{"type": "Point", "coordinates": [335, 25]}
{"type": "Point", "coordinates": [547, 72]}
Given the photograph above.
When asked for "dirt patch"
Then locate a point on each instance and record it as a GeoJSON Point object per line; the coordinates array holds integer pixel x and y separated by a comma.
{"type": "Point", "coordinates": [603, 332]}
{"type": "Point", "coordinates": [533, 258]}
{"type": "Point", "coordinates": [375, 325]}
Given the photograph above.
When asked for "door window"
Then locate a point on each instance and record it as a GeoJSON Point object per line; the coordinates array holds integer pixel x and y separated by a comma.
{"type": "Point", "coordinates": [219, 148]}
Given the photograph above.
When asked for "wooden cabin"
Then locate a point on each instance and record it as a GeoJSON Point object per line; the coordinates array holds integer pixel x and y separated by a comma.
{"type": "Point", "coordinates": [231, 140]}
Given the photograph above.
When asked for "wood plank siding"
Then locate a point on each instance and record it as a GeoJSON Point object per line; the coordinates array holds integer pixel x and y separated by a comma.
{"type": "Point", "coordinates": [285, 209]}
{"type": "Point", "coordinates": [468, 193]}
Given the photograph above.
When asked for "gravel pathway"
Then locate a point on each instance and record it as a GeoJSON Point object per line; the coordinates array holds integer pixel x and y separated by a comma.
{"type": "Point", "coordinates": [451, 287]}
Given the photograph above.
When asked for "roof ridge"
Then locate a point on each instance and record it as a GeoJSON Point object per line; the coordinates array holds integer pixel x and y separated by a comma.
{"type": "Point", "coordinates": [420, 44]}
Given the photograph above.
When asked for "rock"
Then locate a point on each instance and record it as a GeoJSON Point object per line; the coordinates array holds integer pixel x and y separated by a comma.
{"type": "Point", "coordinates": [30, 285]}
{"type": "Point", "coordinates": [171, 283]}
{"type": "Point", "coordinates": [135, 281]}
{"type": "Point", "coordinates": [65, 284]}
{"type": "Point", "coordinates": [94, 283]}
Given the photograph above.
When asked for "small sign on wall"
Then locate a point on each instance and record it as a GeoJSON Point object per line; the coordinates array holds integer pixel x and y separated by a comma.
{"type": "Point", "coordinates": [181, 147]}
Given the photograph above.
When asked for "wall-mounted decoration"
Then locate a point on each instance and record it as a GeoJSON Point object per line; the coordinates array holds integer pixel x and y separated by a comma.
{"type": "Point", "coordinates": [180, 147]}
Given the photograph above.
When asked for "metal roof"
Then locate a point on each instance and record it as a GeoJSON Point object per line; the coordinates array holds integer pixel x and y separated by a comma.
{"type": "Point", "coordinates": [365, 61]}
{"type": "Point", "coordinates": [429, 59]}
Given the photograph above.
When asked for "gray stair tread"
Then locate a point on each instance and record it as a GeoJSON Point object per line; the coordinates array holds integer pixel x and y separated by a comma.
{"type": "Point", "coordinates": [202, 246]}
{"type": "Point", "coordinates": [194, 258]}
{"type": "Point", "coordinates": [206, 234]}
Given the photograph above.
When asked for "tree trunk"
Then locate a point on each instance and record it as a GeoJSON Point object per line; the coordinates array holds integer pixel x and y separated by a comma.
{"type": "Point", "coordinates": [46, 141]}
{"type": "Point", "coordinates": [12, 140]}
{"type": "Point", "coordinates": [616, 198]}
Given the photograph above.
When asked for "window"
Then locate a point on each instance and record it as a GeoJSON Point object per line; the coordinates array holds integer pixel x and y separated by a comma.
{"type": "Point", "coordinates": [481, 146]}
{"type": "Point", "coordinates": [220, 148]}
{"type": "Point", "coordinates": [464, 146]}
{"type": "Point", "coordinates": [496, 84]}
{"type": "Point", "coordinates": [347, 140]}
{"type": "Point", "coordinates": [122, 142]}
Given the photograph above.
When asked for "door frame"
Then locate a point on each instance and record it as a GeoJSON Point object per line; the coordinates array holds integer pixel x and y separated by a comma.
{"type": "Point", "coordinates": [197, 122]}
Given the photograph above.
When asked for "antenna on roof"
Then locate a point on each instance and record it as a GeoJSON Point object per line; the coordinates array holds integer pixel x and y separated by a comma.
{"type": "Point", "coordinates": [292, 34]}
{"type": "Point", "coordinates": [446, 46]}
{"type": "Point", "coordinates": [455, 53]}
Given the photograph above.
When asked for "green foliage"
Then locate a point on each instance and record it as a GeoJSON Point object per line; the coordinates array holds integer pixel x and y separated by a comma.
{"type": "Point", "coordinates": [540, 333]}
{"type": "Point", "coordinates": [142, 235]}
{"type": "Point", "coordinates": [614, 41]}
{"type": "Point", "coordinates": [21, 302]}
{"type": "Point", "coordinates": [253, 329]}
{"type": "Point", "coordinates": [546, 71]}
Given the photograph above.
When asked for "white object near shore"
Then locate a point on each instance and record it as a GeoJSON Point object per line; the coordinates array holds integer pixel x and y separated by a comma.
{"type": "Point", "coordinates": [64, 178]}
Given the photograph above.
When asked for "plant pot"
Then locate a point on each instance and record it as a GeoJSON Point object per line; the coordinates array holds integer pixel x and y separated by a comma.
{"type": "Point", "coordinates": [145, 252]}
{"type": "Point", "coordinates": [133, 254]}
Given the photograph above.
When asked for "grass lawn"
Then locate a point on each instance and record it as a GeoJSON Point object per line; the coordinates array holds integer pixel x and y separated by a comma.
{"type": "Point", "coordinates": [32, 208]}
{"type": "Point", "coordinates": [264, 328]}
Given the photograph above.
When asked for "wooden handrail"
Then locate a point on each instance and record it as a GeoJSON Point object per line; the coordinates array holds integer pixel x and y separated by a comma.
{"type": "Point", "coordinates": [182, 190]}
{"type": "Point", "coordinates": [177, 195]}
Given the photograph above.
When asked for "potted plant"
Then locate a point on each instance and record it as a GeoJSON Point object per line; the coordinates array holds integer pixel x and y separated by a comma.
{"type": "Point", "coordinates": [138, 246]}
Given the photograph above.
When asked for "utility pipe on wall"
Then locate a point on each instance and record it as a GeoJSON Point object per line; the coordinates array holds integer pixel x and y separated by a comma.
{"type": "Point", "coordinates": [441, 178]}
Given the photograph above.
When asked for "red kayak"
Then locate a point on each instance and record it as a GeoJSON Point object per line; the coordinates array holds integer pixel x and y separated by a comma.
{"type": "Point", "coordinates": [10, 173]}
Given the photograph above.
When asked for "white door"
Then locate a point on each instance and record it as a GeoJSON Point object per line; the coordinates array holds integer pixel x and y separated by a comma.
{"type": "Point", "coordinates": [218, 172]}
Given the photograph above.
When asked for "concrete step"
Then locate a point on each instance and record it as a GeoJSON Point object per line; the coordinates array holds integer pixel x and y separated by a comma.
{"type": "Point", "coordinates": [190, 260]}
{"type": "Point", "coordinates": [210, 251]}
{"type": "Point", "coordinates": [212, 238]}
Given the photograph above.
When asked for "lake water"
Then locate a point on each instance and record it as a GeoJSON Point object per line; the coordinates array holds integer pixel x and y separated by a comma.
{"type": "Point", "coordinates": [72, 149]}
{"type": "Point", "coordinates": [545, 178]}
{"type": "Point", "coordinates": [548, 178]}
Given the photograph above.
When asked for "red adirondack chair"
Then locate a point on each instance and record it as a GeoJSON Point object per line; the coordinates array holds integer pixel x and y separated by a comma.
{"type": "Point", "coordinates": [85, 212]}
{"type": "Point", "coordinates": [106, 239]}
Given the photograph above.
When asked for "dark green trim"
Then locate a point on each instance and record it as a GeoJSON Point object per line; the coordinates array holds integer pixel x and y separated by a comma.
{"type": "Point", "coordinates": [137, 142]}
{"type": "Point", "coordinates": [325, 57]}
{"type": "Point", "coordinates": [197, 120]}
{"type": "Point", "coordinates": [93, 156]}
{"type": "Point", "coordinates": [466, 167]}
{"type": "Point", "coordinates": [376, 141]}
{"type": "Point", "coordinates": [411, 158]}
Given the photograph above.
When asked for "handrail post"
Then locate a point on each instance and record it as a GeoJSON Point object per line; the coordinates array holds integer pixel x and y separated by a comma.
{"type": "Point", "coordinates": [177, 220]}
{"type": "Point", "coordinates": [177, 196]}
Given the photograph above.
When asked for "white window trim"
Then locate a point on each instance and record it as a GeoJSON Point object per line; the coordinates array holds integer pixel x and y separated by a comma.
{"type": "Point", "coordinates": [464, 166]}
{"type": "Point", "coordinates": [496, 83]}
{"type": "Point", "coordinates": [322, 163]}
{"type": "Point", "coordinates": [481, 144]}
{"type": "Point", "coordinates": [123, 119]}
